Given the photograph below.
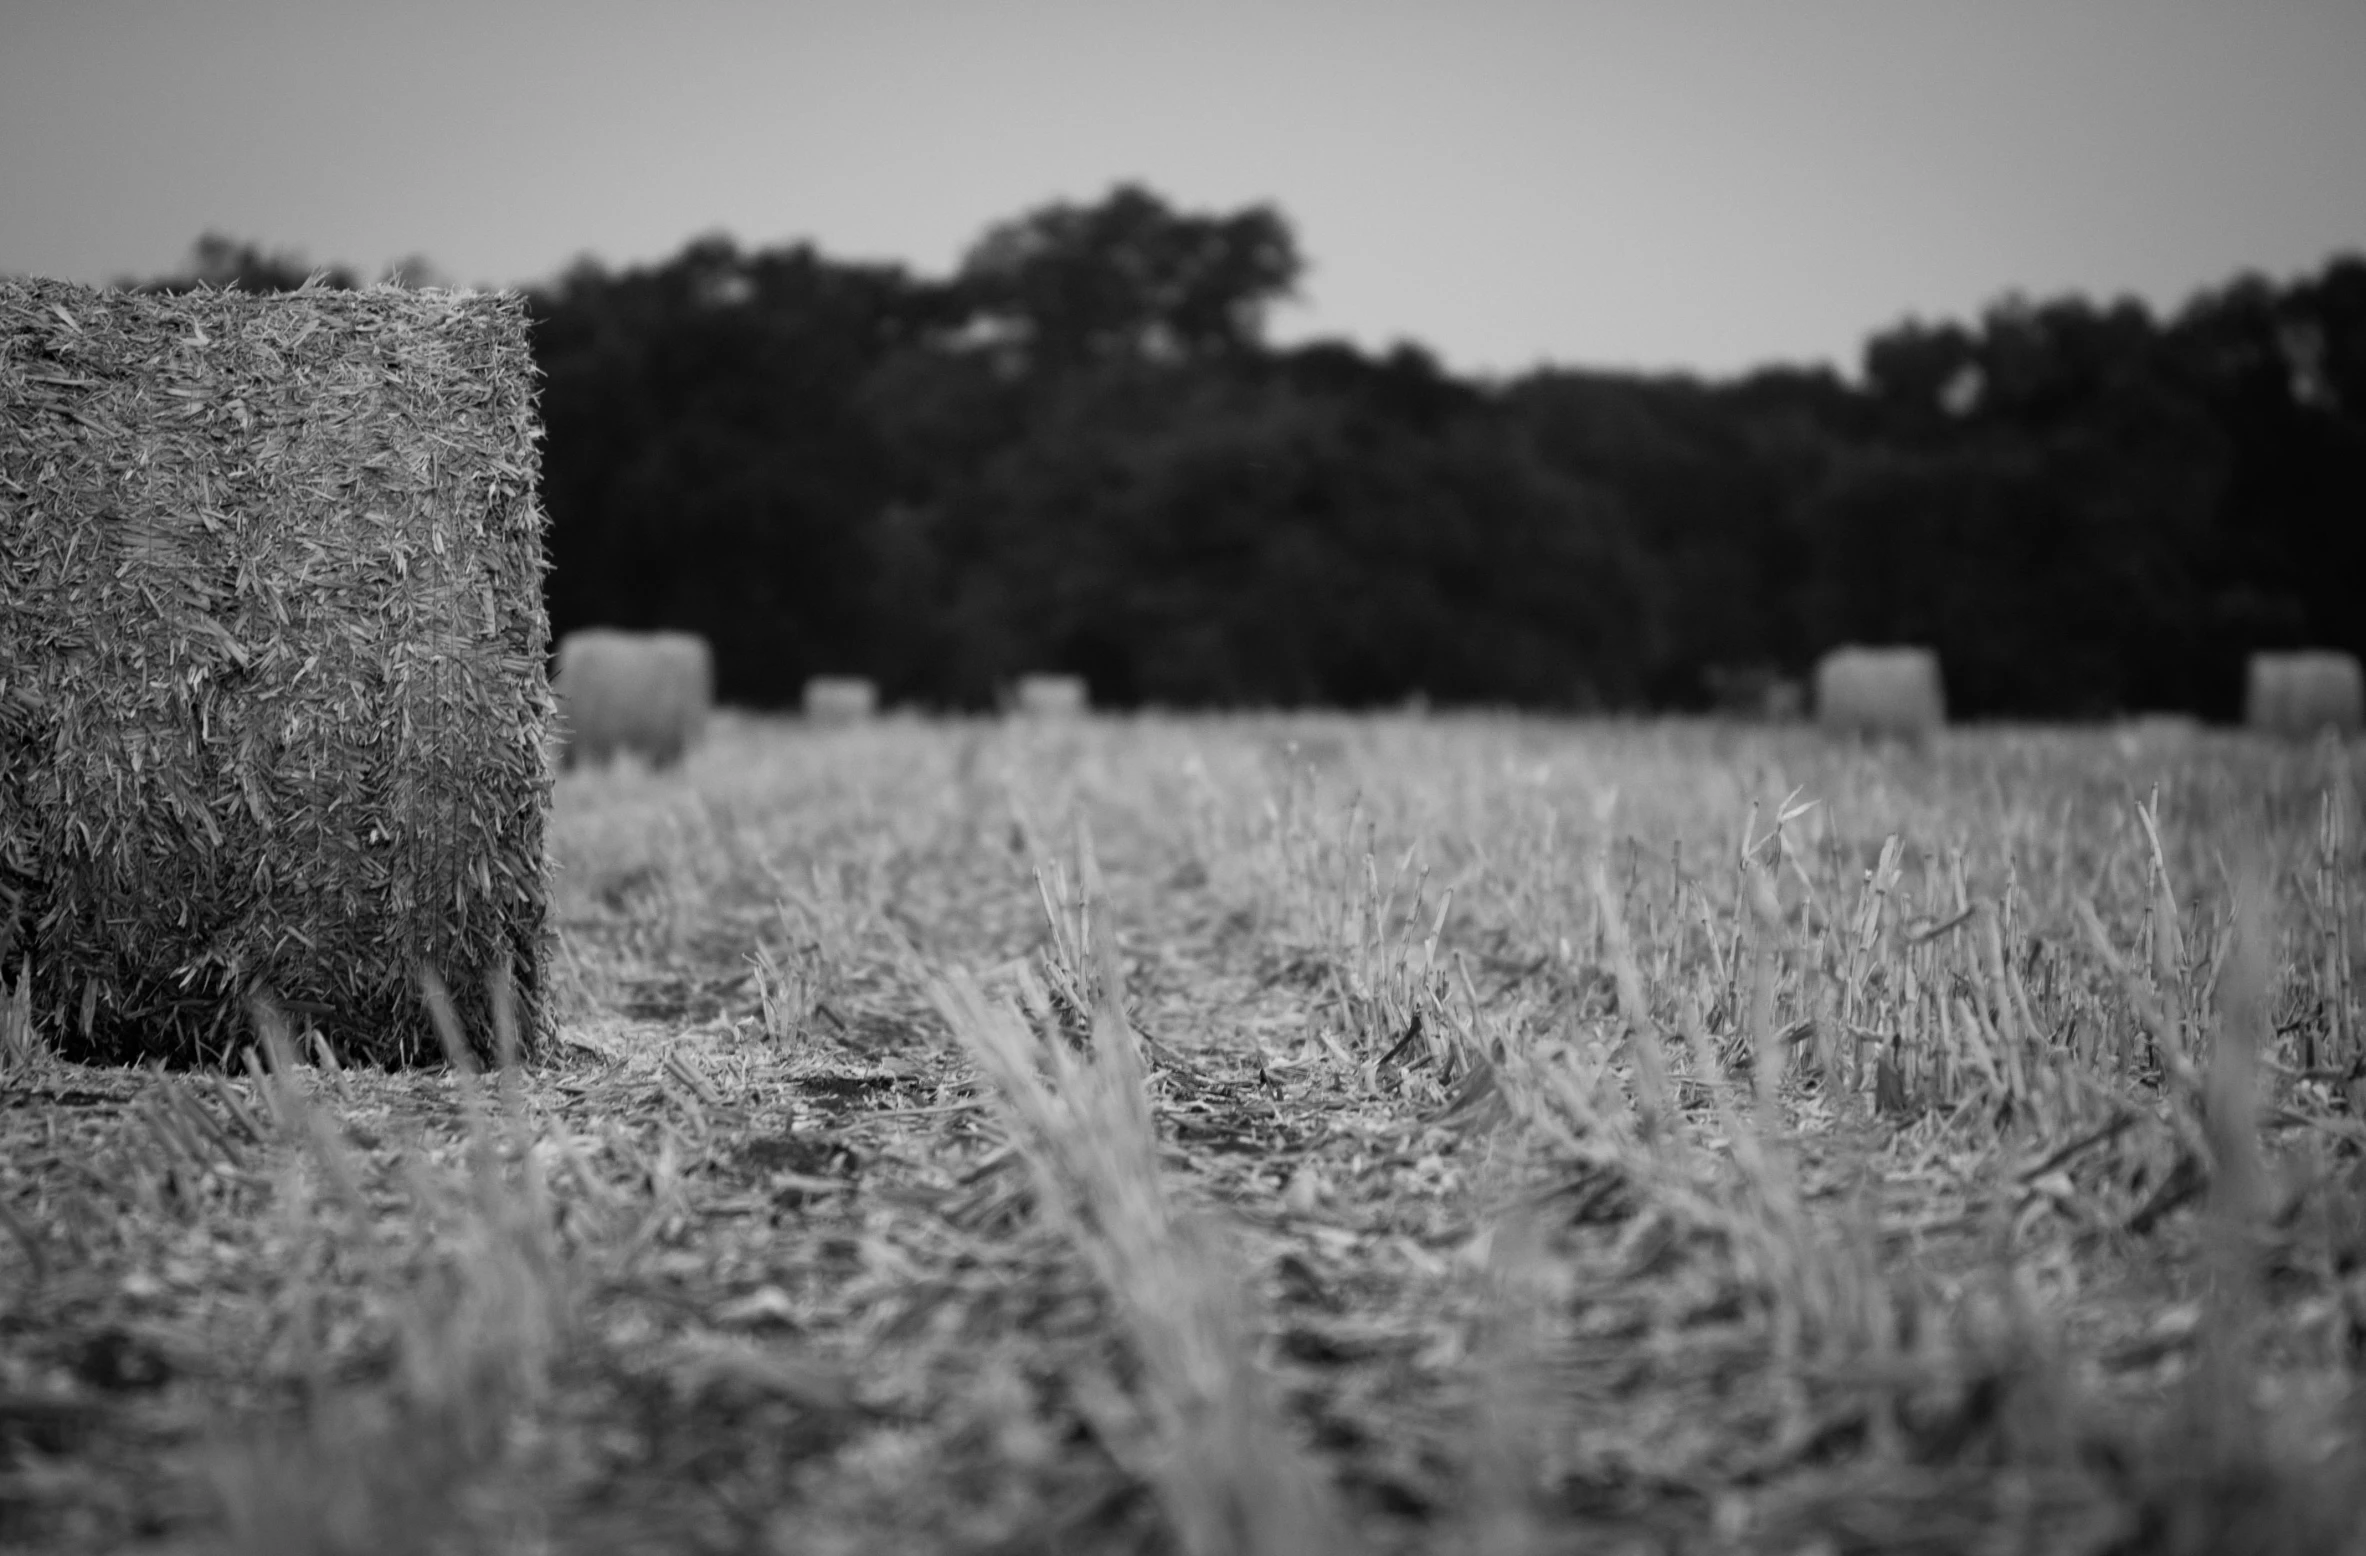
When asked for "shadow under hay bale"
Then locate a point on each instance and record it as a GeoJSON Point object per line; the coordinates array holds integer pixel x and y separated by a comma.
{"type": "Point", "coordinates": [2300, 694]}
{"type": "Point", "coordinates": [1880, 691]}
{"type": "Point", "coordinates": [1051, 697]}
{"type": "Point", "coordinates": [647, 693]}
{"type": "Point", "coordinates": [272, 701]}
{"type": "Point", "coordinates": [840, 699]}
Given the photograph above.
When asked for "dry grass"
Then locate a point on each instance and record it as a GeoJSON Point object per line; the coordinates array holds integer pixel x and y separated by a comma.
{"type": "Point", "coordinates": [1432, 1134]}
{"type": "Point", "coordinates": [1074, 1093]}
{"type": "Point", "coordinates": [431, 1451]}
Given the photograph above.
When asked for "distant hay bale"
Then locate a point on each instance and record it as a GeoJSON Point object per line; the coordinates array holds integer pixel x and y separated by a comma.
{"type": "Point", "coordinates": [272, 701]}
{"type": "Point", "coordinates": [644, 692]}
{"type": "Point", "coordinates": [2154, 734]}
{"type": "Point", "coordinates": [1052, 696]}
{"type": "Point", "coordinates": [1880, 691]}
{"type": "Point", "coordinates": [1755, 691]}
{"type": "Point", "coordinates": [2305, 692]}
{"type": "Point", "coordinates": [840, 699]}
{"type": "Point", "coordinates": [2161, 729]}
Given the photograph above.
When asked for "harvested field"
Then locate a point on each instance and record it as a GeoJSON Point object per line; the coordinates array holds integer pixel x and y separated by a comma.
{"type": "Point", "coordinates": [1273, 1134]}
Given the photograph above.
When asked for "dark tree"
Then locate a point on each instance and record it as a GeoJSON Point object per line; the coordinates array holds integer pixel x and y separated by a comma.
{"type": "Point", "coordinates": [1128, 277]}
{"type": "Point", "coordinates": [710, 464]}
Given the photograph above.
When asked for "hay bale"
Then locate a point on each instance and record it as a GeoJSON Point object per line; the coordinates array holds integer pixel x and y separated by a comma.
{"type": "Point", "coordinates": [1755, 691]}
{"type": "Point", "coordinates": [644, 692]}
{"type": "Point", "coordinates": [272, 701]}
{"type": "Point", "coordinates": [840, 699]}
{"type": "Point", "coordinates": [2159, 729]}
{"type": "Point", "coordinates": [2144, 735]}
{"type": "Point", "coordinates": [2305, 692]}
{"type": "Point", "coordinates": [1880, 691]}
{"type": "Point", "coordinates": [1052, 697]}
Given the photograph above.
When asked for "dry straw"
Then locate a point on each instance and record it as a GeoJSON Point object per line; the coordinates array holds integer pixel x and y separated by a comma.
{"type": "Point", "coordinates": [1232, 1478]}
{"type": "Point", "coordinates": [272, 700]}
{"type": "Point", "coordinates": [648, 693]}
{"type": "Point", "coordinates": [1052, 696]}
{"type": "Point", "coordinates": [1880, 691]}
{"type": "Point", "coordinates": [840, 699]}
{"type": "Point", "coordinates": [2305, 692]}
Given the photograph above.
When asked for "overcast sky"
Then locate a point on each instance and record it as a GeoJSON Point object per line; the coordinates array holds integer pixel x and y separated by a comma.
{"type": "Point", "coordinates": [1658, 183]}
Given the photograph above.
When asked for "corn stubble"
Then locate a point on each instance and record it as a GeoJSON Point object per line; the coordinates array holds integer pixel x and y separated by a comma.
{"type": "Point", "coordinates": [1406, 1135]}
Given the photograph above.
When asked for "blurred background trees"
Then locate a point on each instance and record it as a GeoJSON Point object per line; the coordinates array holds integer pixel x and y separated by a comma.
{"type": "Point", "coordinates": [1079, 452]}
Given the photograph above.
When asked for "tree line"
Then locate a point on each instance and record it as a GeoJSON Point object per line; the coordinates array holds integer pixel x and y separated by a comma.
{"type": "Point", "coordinates": [1080, 452]}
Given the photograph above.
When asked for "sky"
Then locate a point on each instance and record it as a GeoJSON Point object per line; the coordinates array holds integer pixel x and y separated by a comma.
{"type": "Point", "coordinates": [1694, 185]}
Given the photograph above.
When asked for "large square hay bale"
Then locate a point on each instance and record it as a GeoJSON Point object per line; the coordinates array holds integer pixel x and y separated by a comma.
{"type": "Point", "coordinates": [840, 699]}
{"type": "Point", "coordinates": [1052, 697]}
{"type": "Point", "coordinates": [1880, 691]}
{"type": "Point", "coordinates": [272, 697]}
{"type": "Point", "coordinates": [648, 693]}
{"type": "Point", "coordinates": [2304, 692]}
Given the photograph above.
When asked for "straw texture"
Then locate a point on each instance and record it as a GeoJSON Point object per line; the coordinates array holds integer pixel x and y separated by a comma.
{"type": "Point", "coordinates": [272, 696]}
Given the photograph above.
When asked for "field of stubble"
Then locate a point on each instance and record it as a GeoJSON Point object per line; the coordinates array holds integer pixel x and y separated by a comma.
{"type": "Point", "coordinates": [1279, 1135]}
